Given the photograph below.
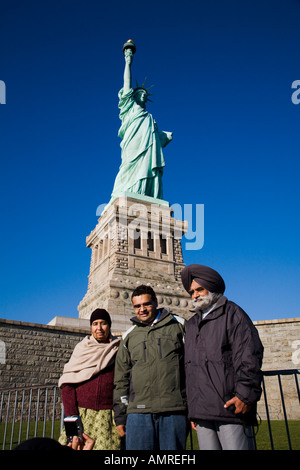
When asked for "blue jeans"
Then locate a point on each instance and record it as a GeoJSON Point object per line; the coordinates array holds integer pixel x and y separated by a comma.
{"type": "Point", "coordinates": [156, 431]}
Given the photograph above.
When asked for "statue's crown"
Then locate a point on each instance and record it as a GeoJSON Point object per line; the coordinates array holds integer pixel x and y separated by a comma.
{"type": "Point", "coordinates": [142, 87]}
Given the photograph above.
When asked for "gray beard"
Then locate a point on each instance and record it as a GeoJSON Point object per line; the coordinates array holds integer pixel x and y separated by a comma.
{"type": "Point", "coordinates": [203, 303]}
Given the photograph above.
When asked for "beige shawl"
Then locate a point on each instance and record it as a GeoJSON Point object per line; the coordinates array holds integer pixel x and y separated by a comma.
{"type": "Point", "coordinates": [88, 358]}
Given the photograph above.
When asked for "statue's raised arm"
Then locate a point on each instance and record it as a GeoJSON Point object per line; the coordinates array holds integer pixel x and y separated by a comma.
{"type": "Point", "coordinates": [128, 52]}
{"type": "Point", "coordinates": [142, 157]}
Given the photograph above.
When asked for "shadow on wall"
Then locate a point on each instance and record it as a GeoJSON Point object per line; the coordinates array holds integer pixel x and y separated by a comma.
{"type": "Point", "coordinates": [2, 352]}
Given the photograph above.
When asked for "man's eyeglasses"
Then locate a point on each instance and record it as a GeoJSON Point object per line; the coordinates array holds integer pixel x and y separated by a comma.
{"type": "Point", "coordinates": [139, 306]}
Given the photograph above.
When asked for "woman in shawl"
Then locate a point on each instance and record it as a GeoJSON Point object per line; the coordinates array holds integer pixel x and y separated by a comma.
{"type": "Point", "coordinates": [87, 383]}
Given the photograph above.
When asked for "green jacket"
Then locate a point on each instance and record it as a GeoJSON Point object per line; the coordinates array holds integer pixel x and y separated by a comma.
{"type": "Point", "coordinates": [149, 368]}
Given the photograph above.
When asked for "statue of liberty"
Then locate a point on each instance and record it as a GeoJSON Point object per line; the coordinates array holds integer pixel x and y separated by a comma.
{"type": "Point", "coordinates": [142, 164]}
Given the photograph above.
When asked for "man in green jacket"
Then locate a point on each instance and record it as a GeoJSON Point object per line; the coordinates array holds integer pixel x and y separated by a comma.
{"type": "Point", "coordinates": [149, 395]}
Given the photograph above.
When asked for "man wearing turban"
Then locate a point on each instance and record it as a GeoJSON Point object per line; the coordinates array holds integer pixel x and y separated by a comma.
{"type": "Point", "coordinates": [223, 358]}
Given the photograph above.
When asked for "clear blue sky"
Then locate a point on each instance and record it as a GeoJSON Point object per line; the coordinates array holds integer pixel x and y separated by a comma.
{"type": "Point", "coordinates": [222, 72]}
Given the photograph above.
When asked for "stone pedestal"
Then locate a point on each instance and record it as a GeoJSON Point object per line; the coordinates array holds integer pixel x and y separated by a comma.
{"type": "Point", "coordinates": [135, 242]}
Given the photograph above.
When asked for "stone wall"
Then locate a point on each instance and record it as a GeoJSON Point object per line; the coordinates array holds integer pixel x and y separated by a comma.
{"type": "Point", "coordinates": [281, 340]}
{"type": "Point", "coordinates": [32, 354]}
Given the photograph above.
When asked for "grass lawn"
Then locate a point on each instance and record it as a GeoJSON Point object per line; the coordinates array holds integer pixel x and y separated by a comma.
{"type": "Point", "coordinates": [39, 432]}
{"type": "Point", "coordinates": [279, 434]}
{"type": "Point", "coordinates": [280, 440]}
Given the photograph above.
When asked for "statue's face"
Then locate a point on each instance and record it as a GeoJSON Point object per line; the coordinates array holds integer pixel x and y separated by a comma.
{"type": "Point", "coordinates": [140, 97]}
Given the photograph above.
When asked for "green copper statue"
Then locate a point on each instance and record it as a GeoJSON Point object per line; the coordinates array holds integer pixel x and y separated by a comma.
{"type": "Point", "coordinates": [142, 157]}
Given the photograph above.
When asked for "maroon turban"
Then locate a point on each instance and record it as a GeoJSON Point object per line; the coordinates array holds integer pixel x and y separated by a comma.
{"type": "Point", "coordinates": [203, 275]}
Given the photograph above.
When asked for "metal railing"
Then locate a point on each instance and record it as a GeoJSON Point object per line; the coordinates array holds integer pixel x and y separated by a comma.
{"type": "Point", "coordinates": [38, 411]}
{"type": "Point", "coordinates": [278, 374]}
{"type": "Point", "coordinates": [29, 412]}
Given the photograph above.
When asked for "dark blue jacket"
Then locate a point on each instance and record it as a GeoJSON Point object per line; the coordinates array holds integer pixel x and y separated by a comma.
{"type": "Point", "coordinates": [223, 357]}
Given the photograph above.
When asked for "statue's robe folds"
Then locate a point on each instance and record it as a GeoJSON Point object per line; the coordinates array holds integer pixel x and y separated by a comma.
{"type": "Point", "coordinates": [142, 157]}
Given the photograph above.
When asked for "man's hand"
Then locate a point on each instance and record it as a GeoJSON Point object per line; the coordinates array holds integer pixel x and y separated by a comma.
{"type": "Point", "coordinates": [121, 430]}
{"type": "Point", "coordinates": [85, 443]}
{"type": "Point", "coordinates": [194, 426]}
{"type": "Point", "coordinates": [240, 406]}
